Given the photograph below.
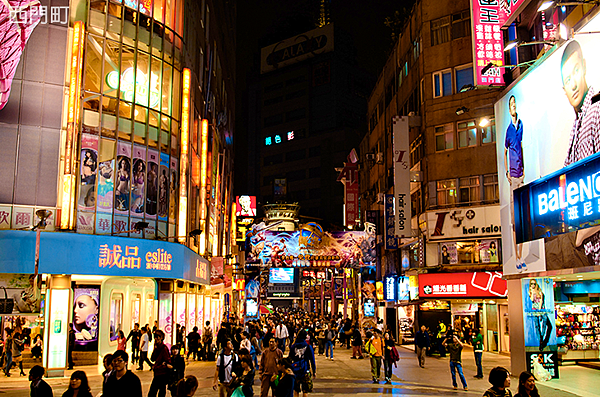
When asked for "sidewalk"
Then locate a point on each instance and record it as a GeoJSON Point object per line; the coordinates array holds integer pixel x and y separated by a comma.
{"type": "Point", "coordinates": [574, 379]}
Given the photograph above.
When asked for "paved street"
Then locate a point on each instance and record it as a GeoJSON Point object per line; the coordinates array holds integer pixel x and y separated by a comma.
{"type": "Point", "coordinates": [344, 376]}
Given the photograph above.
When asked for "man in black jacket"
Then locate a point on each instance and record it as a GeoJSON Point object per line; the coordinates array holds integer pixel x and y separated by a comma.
{"type": "Point", "coordinates": [135, 334]}
{"type": "Point", "coordinates": [122, 382]}
{"type": "Point", "coordinates": [39, 387]}
{"type": "Point", "coordinates": [423, 343]}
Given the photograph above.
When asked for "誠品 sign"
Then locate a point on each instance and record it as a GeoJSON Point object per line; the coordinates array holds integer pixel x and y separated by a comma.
{"type": "Point", "coordinates": [464, 222]}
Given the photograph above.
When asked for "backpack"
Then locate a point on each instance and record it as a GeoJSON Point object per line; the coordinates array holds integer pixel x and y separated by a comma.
{"type": "Point", "coordinates": [330, 335]}
{"type": "Point", "coordinates": [234, 362]}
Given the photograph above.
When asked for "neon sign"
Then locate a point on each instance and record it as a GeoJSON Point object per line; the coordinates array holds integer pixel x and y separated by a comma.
{"type": "Point", "coordinates": [278, 138]}
{"type": "Point", "coordinates": [136, 82]}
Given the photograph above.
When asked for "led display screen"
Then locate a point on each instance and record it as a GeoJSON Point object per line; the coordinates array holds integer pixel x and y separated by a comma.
{"type": "Point", "coordinates": [281, 275]}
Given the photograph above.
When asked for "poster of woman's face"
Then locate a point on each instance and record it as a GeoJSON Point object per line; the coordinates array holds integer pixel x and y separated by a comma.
{"type": "Point", "coordinates": [85, 317]}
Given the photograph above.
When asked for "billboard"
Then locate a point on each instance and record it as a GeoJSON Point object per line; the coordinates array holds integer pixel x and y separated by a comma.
{"type": "Point", "coordinates": [461, 285]}
{"type": "Point", "coordinates": [86, 304]}
{"type": "Point", "coordinates": [545, 123]}
{"type": "Point", "coordinates": [402, 199]}
{"type": "Point", "coordinates": [245, 206]}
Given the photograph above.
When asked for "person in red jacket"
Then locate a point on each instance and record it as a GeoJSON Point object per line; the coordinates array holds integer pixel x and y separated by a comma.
{"type": "Point", "coordinates": [162, 363]}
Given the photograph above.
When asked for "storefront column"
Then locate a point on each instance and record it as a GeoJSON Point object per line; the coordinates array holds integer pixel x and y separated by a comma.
{"type": "Point", "coordinates": [56, 324]}
{"type": "Point", "coordinates": [518, 362]}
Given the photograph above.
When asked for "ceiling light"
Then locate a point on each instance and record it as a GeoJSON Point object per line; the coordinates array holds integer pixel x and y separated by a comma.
{"type": "Point", "coordinates": [563, 31]}
{"type": "Point", "coordinates": [461, 110]}
{"type": "Point", "coordinates": [484, 122]}
{"type": "Point", "coordinates": [545, 5]}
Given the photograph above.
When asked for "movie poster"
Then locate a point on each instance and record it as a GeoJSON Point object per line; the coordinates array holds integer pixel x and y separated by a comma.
{"type": "Point", "coordinates": [163, 187]}
{"type": "Point", "coordinates": [152, 181]}
{"type": "Point", "coordinates": [138, 181]}
{"type": "Point", "coordinates": [123, 178]}
{"type": "Point", "coordinates": [86, 306]}
{"type": "Point", "coordinates": [88, 170]}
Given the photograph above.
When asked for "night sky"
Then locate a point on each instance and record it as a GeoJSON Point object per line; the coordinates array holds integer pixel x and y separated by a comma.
{"type": "Point", "coordinates": [264, 22]}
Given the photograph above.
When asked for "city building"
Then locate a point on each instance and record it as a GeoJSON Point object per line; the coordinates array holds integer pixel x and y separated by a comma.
{"type": "Point", "coordinates": [426, 96]}
{"type": "Point", "coordinates": [116, 126]}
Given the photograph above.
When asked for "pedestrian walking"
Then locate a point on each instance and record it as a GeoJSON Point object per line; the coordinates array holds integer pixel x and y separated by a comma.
{"type": "Point", "coordinates": [226, 369]}
{"type": "Point", "coordinates": [121, 381]}
{"type": "Point", "coordinates": [121, 341]}
{"type": "Point", "coordinates": [477, 343]}
{"type": "Point", "coordinates": [207, 337]}
{"type": "Point", "coordinates": [281, 334]}
{"type": "Point", "coordinates": [8, 341]}
{"type": "Point", "coordinates": [18, 345]}
{"type": "Point", "coordinates": [78, 386]}
{"type": "Point", "coordinates": [246, 378]}
{"type": "Point", "coordinates": [500, 380]}
{"type": "Point", "coordinates": [356, 343]}
{"type": "Point", "coordinates": [454, 347]}
{"type": "Point", "coordinates": [423, 343]}
{"type": "Point", "coordinates": [389, 356]}
{"type": "Point", "coordinates": [375, 349]}
{"type": "Point", "coordinates": [441, 337]}
{"type": "Point", "coordinates": [527, 386]}
{"type": "Point", "coordinates": [144, 346]}
{"type": "Point", "coordinates": [107, 362]}
{"type": "Point", "coordinates": [303, 360]}
{"type": "Point", "coordinates": [135, 335]}
{"type": "Point", "coordinates": [329, 341]}
{"type": "Point", "coordinates": [321, 339]}
{"type": "Point", "coordinates": [177, 372]}
{"type": "Point", "coordinates": [268, 367]}
{"type": "Point", "coordinates": [39, 387]}
{"type": "Point", "coordinates": [285, 380]}
{"type": "Point", "coordinates": [187, 387]}
{"type": "Point", "coordinates": [193, 339]}
{"type": "Point", "coordinates": [162, 365]}
{"type": "Point", "coordinates": [71, 336]}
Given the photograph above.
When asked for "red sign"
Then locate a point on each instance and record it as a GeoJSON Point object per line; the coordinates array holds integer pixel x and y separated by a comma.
{"type": "Point", "coordinates": [351, 203]}
{"type": "Point", "coordinates": [239, 284]}
{"type": "Point", "coordinates": [462, 285]}
{"type": "Point", "coordinates": [488, 46]}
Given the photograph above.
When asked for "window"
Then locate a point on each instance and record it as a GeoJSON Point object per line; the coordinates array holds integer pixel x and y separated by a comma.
{"type": "Point", "coordinates": [488, 133]}
{"type": "Point", "coordinates": [321, 74]}
{"type": "Point", "coordinates": [295, 80]}
{"type": "Point", "coordinates": [469, 189]}
{"type": "Point", "coordinates": [444, 138]}
{"type": "Point", "coordinates": [490, 188]}
{"type": "Point", "coordinates": [295, 94]}
{"type": "Point", "coordinates": [273, 120]}
{"type": "Point", "coordinates": [417, 150]}
{"type": "Point", "coordinates": [273, 87]}
{"type": "Point", "coordinates": [464, 77]}
{"type": "Point", "coordinates": [295, 155]}
{"type": "Point", "coordinates": [273, 101]}
{"type": "Point", "coordinates": [297, 175]}
{"type": "Point", "coordinates": [314, 151]}
{"type": "Point", "coordinates": [467, 134]}
{"type": "Point", "coordinates": [274, 159]}
{"type": "Point", "coordinates": [440, 30]}
{"type": "Point", "coordinates": [446, 192]}
{"type": "Point", "coordinates": [422, 88]}
{"type": "Point", "coordinates": [314, 172]}
{"type": "Point", "coordinates": [296, 114]}
{"type": "Point", "coordinates": [314, 193]}
{"type": "Point", "coordinates": [442, 83]}
{"type": "Point", "coordinates": [460, 24]}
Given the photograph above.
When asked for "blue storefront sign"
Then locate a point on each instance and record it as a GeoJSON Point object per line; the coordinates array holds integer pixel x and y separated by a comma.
{"type": "Point", "coordinates": [389, 288]}
{"type": "Point", "coordinates": [70, 253]}
{"type": "Point", "coordinates": [562, 202]}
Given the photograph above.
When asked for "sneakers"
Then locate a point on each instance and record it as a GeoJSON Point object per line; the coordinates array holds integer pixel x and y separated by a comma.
{"type": "Point", "coordinates": [455, 388]}
{"type": "Point", "coordinates": [331, 358]}
{"type": "Point", "coordinates": [466, 389]}
{"type": "Point", "coordinates": [375, 381]}
{"type": "Point", "coordinates": [353, 357]}
{"type": "Point", "coordinates": [388, 381]}
{"type": "Point", "coordinates": [521, 265]}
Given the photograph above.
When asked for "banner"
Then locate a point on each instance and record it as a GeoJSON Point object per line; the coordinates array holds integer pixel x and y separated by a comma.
{"type": "Point", "coordinates": [402, 177]}
{"type": "Point", "coordinates": [123, 179]}
{"type": "Point", "coordinates": [458, 285]}
{"type": "Point", "coordinates": [163, 187]}
{"type": "Point", "coordinates": [152, 182]}
{"type": "Point", "coordinates": [391, 242]}
{"type": "Point", "coordinates": [138, 181]}
{"type": "Point", "coordinates": [87, 173]}
{"type": "Point", "coordinates": [86, 305]}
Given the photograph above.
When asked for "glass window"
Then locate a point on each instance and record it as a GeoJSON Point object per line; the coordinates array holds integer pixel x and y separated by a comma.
{"type": "Point", "coordinates": [467, 134]}
{"type": "Point", "coordinates": [116, 315]}
{"type": "Point", "coordinates": [469, 189]}
{"type": "Point", "coordinates": [446, 192]}
{"type": "Point", "coordinates": [440, 30]}
{"type": "Point", "coordinates": [488, 133]}
{"type": "Point", "coordinates": [111, 78]}
{"type": "Point", "coordinates": [93, 64]}
{"type": "Point", "coordinates": [167, 79]}
{"type": "Point", "coordinates": [464, 77]}
{"type": "Point", "coordinates": [460, 24]}
{"type": "Point", "coordinates": [490, 188]}
{"type": "Point", "coordinates": [442, 83]}
{"type": "Point", "coordinates": [444, 138]}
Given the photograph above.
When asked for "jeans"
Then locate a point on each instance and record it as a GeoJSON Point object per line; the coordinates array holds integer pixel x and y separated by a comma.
{"type": "Point", "coordinates": [159, 385]}
{"type": "Point", "coordinates": [457, 366]}
{"type": "Point", "coordinates": [478, 356]}
{"type": "Point", "coordinates": [281, 344]}
{"type": "Point", "coordinates": [143, 359]}
{"type": "Point", "coordinates": [387, 369]}
{"type": "Point", "coordinates": [8, 361]}
{"type": "Point", "coordinates": [329, 348]}
{"type": "Point", "coordinates": [421, 351]}
{"type": "Point", "coordinates": [135, 352]}
{"type": "Point", "coordinates": [375, 367]}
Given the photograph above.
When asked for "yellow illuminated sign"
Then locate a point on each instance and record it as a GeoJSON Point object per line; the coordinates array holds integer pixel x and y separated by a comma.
{"type": "Point", "coordinates": [185, 129]}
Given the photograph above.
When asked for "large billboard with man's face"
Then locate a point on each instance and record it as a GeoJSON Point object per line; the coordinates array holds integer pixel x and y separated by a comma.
{"type": "Point", "coordinates": [547, 122]}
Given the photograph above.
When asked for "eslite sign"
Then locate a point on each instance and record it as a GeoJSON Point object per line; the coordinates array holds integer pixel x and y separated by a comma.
{"type": "Point", "coordinates": [460, 223]}
{"type": "Point", "coordinates": [459, 285]}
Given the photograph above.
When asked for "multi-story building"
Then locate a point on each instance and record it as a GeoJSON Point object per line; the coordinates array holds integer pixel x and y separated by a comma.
{"type": "Point", "coordinates": [455, 218]}
{"type": "Point", "coordinates": [305, 115]}
{"type": "Point", "coordinates": [116, 133]}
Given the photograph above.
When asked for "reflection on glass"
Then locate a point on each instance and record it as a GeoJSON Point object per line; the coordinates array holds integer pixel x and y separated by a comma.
{"type": "Point", "coordinates": [111, 63]}
{"type": "Point", "coordinates": [167, 83]}
{"type": "Point", "coordinates": [116, 315]}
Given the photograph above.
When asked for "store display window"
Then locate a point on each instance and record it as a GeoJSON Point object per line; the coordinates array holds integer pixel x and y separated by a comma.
{"type": "Point", "coordinates": [578, 327]}
{"type": "Point", "coordinates": [464, 252]}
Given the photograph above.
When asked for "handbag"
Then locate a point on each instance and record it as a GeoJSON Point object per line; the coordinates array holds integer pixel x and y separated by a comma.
{"type": "Point", "coordinates": [6, 304]}
{"type": "Point", "coordinates": [238, 392]}
{"type": "Point", "coordinates": [370, 348]}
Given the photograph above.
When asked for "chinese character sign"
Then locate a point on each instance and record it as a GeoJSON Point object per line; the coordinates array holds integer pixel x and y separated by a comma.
{"type": "Point", "coordinates": [478, 284]}
{"type": "Point", "coordinates": [487, 17]}
{"type": "Point", "coordinates": [390, 224]}
{"type": "Point", "coordinates": [402, 177]}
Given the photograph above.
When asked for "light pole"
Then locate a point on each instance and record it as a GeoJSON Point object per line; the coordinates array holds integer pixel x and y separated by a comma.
{"type": "Point", "coordinates": [43, 215]}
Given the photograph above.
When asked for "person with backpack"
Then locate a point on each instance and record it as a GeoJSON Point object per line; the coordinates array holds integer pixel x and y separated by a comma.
{"type": "Point", "coordinates": [161, 367]}
{"type": "Point", "coordinates": [226, 369]}
{"type": "Point", "coordinates": [375, 349]}
{"type": "Point", "coordinates": [329, 341]}
{"type": "Point", "coordinates": [207, 337]}
{"type": "Point", "coordinates": [285, 379]}
{"type": "Point", "coordinates": [303, 359]}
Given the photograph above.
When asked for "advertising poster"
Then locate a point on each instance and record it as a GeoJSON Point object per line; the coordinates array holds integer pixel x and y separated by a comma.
{"type": "Point", "coordinates": [245, 206]}
{"type": "Point", "coordinates": [163, 187]}
{"type": "Point", "coordinates": [548, 121]}
{"type": "Point", "coordinates": [106, 184]}
{"type": "Point", "coordinates": [488, 251]}
{"type": "Point", "coordinates": [216, 273]}
{"type": "Point", "coordinates": [369, 308]}
{"type": "Point", "coordinates": [123, 179]}
{"type": "Point", "coordinates": [153, 184]}
{"type": "Point", "coordinates": [23, 291]}
{"type": "Point", "coordinates": [173, 190]}
{"type": "Point", "coordinates": [165, 315]}
{"type": "Point", "coordinates": [103, 223]}
{"type": "Point", "coordinates": [538, 314]}
{"type": "Point", "coordinates": [58, 322]}
{"type": "Point", "coordinates": [449, 255]}
{"type": "Point", "coordinates": [403, 289]}
{"type": "Point", "coordinates": [86, 306]}
{"type": "Point", "coordinates": [138, 181]}
{"type": "Point", "coordinates": [87, 173]}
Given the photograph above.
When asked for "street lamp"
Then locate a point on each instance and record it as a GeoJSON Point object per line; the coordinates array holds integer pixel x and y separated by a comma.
{"type": "Point", "coordinates": [43, 215]}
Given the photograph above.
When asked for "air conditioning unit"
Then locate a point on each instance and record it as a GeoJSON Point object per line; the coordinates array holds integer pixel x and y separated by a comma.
{"type": "Point", "coordinates": [380, 198]}
{"type": "Point", "coordinates": [370, 156]}
{"type": "Point", "coordinates": [379, 158]}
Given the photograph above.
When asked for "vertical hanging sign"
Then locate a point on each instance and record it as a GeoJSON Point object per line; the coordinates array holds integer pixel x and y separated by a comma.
{"type": "Point", "coordinates": [402, 176]}
{"type": "Point", "coordinates": [487, 17]}
{"type": "Point", "coordinates": [183, 174]}
{"type": "Point", "coordinates": [349, 177]}
{"type": "Point", "coordinates": [391, 242]}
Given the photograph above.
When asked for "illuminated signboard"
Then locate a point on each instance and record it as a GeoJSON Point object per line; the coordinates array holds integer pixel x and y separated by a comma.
{"type": "Point", "coordinates": [413, 287]}
{"type": "Point", "coordinates": [391, 242]}
{"type": "Point", "coordinates": [402, 199]}
{"type": "Point", "coordinates": [245, 206]}
{"type": "Point", "coordinates": [135, 81]}
{"type": "Point", "coordinates": [239, 284]}
{"type": "Point", "coordinates": [389, 288]}
{"type": "Point", "coordinates": [403, 289]}
{"type": "Point", "coordinates": [547, 128]}
{"type": "Point", "coordinates": [57, 328]}
{"type": "Point", "coordinates": [459, 285]}
{"type": "Point", "coordinates": [278, 138]}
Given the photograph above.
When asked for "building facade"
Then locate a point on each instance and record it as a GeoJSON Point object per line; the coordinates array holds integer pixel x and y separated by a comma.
{"type": "Point", "coordinates": [117, 132]}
